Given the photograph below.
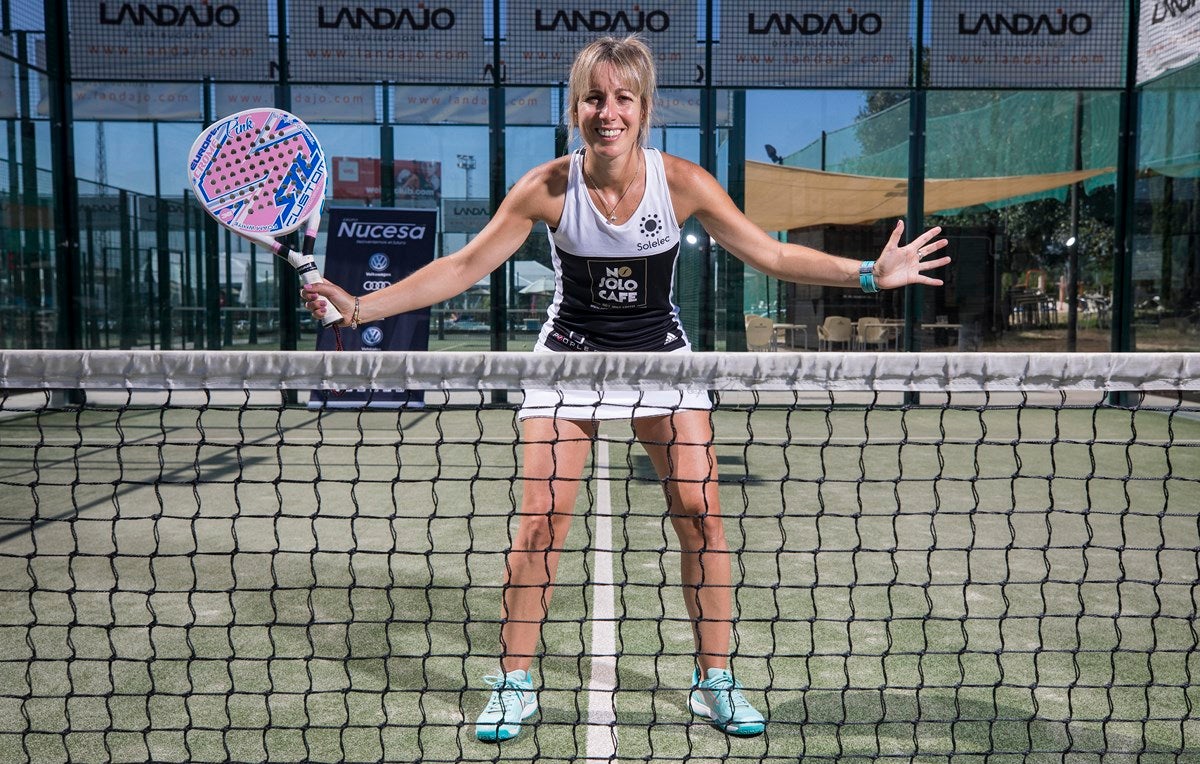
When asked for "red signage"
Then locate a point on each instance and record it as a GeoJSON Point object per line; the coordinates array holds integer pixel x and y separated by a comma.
{"type": "Point", "coordinates": [358, 178]}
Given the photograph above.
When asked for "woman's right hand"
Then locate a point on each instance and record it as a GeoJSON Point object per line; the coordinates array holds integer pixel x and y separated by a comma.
{"type": "Point", "coordinates": [319, 296]}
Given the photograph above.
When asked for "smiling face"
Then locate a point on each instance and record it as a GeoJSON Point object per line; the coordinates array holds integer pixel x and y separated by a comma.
{"type": "Point", "coordinates": [609, 114]}
{"type": "Point", "coordinates": [611, 93]}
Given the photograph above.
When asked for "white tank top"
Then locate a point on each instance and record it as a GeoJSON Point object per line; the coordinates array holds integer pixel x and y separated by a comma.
{"type": "Point", "coordinates": [614, 284]}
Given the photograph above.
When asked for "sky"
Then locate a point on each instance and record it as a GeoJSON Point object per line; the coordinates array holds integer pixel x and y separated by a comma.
{"type": "Point", "coordinates": [789, 120]}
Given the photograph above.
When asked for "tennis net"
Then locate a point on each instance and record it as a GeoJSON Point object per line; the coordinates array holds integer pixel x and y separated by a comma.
{"type": "Point", "coordinates": [936, 558]}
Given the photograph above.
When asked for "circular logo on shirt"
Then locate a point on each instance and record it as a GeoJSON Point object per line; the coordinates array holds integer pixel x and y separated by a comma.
{"type": "Point", "coordinates": [379, 262]}
{"type": "Point", "coordinates": [372, 336]}
{"type": "Point", "coordinates": [651, 224]}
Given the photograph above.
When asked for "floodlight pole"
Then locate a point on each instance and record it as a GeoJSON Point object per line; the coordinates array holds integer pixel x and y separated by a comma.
{"type": "Point", "coordinates": [466, 163]}
{"type": "Point", "coordinates": [915, 218]}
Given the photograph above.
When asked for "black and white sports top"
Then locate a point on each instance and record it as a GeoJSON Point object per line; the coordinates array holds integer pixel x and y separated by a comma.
{"type": "Point", "coordinates": [614, 284]}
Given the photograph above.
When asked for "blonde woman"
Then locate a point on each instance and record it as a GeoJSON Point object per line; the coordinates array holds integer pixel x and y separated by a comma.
{"type": "Point", "coordinates": [613, 211]}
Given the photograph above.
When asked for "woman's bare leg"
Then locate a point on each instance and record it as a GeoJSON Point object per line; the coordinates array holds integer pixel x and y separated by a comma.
{"type": "Point", "coordinates": [555, 451]}
{"type": "Point", "coordinates": [680, 447]}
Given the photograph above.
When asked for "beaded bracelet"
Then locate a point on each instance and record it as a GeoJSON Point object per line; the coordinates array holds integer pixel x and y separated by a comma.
{"type": "Point", "coordinates": [354, 315]}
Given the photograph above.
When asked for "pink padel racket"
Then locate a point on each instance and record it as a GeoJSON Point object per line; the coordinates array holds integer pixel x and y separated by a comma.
{"type": "Point", "coordinates": [261, 173]}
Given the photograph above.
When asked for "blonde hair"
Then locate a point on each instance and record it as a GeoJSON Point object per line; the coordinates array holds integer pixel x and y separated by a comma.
{"type": "Point", "coordinates": [634, 64]}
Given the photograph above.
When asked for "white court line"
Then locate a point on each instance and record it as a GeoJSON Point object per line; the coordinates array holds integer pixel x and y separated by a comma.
{"type": "Point", "coordinates": [602, 711]}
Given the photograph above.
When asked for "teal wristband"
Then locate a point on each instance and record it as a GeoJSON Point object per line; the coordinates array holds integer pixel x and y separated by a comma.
{"type": "Point", "coordinates": [866, 277]}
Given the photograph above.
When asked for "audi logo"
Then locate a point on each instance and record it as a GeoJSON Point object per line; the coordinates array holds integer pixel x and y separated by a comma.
{"type": "Point", "coordinates": [372, 286]}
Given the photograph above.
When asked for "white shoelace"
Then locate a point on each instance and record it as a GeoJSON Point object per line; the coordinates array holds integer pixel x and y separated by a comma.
{"type": "Point", "coordinates": [501, 689]}
{"type": "Point", "coordinates": [725, 685]}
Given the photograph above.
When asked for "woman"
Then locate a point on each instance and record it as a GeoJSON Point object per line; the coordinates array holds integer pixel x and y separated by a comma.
{"type": "Point", "coordinates": [613, 210]}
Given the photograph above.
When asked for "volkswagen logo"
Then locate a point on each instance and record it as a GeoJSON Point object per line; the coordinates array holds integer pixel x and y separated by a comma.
{"type": "Point", "coordinates": [372, 336]}
{"type": "Point", "coordinates": [379, 262]}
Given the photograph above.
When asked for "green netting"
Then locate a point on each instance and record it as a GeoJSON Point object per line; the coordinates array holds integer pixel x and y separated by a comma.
{"type": "Point", "coordinates": [1169, 141]}
{"type": "Point", "coordinates": [971, 135]}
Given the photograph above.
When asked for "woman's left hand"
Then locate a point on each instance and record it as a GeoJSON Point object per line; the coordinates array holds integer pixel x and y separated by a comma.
{"type": "Point", "coordinates": [900, 265]}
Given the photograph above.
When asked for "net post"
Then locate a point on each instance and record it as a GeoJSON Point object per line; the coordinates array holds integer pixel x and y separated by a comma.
{"type": "Point", "coordinates": [387, 152]}
{"type": "Point", "coordinates": [913, 293]}
{"type": "Point", "coordinates": [734, 288]}
{"type": "Point", "coordinates": [226, 310]}
{"type": "Point", "coordinates": [126, 293]}
{"type": "Point", "coordinates": [289, 298]}
{"type": "Point", "coordinates": [1073, 242]}
{"type": "Point", "coordinates": [162, 253]}
{"type": "Point", "coordinates": [68, 328]}
{"type": "Point", "coordinates": [1126, 186]}
{"type": "Point", "coordinates": [498, 286]}
{"type": "Point", "coordinates": [708, 159]}
{"type": "Point", "coordinates": [211, 254]}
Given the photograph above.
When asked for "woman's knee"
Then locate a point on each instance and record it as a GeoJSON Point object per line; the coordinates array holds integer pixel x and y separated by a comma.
{"type": "Point", "coordinates": [699, 531]}
{"type": "Point", "coordinates": [695, 499]}
{"type": "Point", "coordinates": [541, 530]}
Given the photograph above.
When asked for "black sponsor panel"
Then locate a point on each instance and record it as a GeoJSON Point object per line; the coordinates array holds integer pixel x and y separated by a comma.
{"type": "Point", "coordinates": [543, 37]}
{"type": "Point", "coordinates": [346, 40]}
{"type": "Point", "coordinates": [618, 284]}
{"type": "Point", "coordinates": [171, 40]}
{"type": "Point", "coordinates": [812, 44]}
{"type": "Point", "coordinates": [1027, 43]}
{"type": "Point", "coordinates": [370, 249]}
{"type": "Point", "coordinates": [617, 303]}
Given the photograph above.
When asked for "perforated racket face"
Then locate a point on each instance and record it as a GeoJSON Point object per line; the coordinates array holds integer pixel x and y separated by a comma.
{"type": "Point", "coordinates": [260, 171]}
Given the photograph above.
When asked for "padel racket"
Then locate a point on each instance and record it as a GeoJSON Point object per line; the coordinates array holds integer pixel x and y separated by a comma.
{"type": "Point", "coordinates": [261, 173]}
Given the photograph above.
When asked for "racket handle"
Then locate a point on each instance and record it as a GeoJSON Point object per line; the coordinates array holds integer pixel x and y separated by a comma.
{"type": "Point", "coordinates": [306, 267]}
{"type": "Point", "coordinates": [332, 315]}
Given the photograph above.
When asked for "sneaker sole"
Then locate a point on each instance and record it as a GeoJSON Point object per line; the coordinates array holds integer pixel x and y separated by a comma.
{"type": "Point", "coordinates": [498, 733]}
{"type": "Point", "coordinates": [699, 709]}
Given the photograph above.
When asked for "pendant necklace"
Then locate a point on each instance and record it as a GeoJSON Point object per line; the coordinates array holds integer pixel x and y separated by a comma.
{"type": "Point", "coordinates": [611, 212]}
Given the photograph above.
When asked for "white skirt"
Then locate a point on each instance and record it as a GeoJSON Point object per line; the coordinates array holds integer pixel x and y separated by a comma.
{"type": "Point", "coordinates": [611, 404]}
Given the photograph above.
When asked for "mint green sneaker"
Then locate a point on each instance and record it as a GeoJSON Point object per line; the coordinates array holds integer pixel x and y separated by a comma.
{"type": "Point", "coordinates": [719, 699]}
{"type": "Point", "coordinates": [513, 701]}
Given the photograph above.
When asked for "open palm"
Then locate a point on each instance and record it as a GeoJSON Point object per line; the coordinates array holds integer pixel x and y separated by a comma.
{"type": "Point", "coordinates": [900, 265]}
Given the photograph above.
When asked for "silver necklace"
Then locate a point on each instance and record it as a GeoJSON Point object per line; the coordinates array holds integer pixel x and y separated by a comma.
{"type": "Point", "coordinates": [611, 212]}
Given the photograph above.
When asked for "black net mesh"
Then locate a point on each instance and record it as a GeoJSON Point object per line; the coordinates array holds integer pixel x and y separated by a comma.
{"type": "Point", "coordinates": [191, 570]}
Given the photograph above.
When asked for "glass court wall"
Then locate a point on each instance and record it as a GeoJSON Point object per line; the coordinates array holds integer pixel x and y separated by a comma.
{"type": "Point", "coordinates": [1065, 236]}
